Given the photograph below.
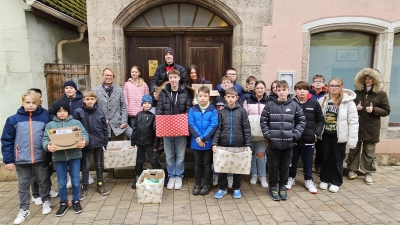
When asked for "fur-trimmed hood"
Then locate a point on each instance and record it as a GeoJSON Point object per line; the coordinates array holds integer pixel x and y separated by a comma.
{"type": "Point", "coordinates": [360, 78]}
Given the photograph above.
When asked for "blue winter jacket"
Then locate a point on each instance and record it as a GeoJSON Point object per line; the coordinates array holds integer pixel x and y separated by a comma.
{"type": "Point", "coordinates": [237, 87]}
{"type": "Point", "coordinates": [202, 125]}
{"type": "Point", "coordinates": [21, 141]}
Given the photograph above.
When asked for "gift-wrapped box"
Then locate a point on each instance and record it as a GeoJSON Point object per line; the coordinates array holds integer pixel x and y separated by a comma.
{"type": "Point", "coordinates": [232, 160]}
{"type": "Point", "coordinates": [119, 154]}
{"type": "Point", "coordinates": [150, 192]}
{"type": "Point", "coordinates": [172, 125]}
{"type": "Point", "coordinates": [256, 132]}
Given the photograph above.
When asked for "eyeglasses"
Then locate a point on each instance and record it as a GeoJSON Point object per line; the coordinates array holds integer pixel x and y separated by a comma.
{"type": "Point", "coordinates": [334, 86]}
{"type": "Point", "coordinates": [231, 74]}
{"type": "Point", "coordinates": [318, 81]}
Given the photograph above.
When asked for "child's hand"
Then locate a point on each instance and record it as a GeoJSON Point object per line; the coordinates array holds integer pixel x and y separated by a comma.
{"type": "Point", "coordinates": [9, 166]}
{"type": "Point", "coordinates": [155, 95]}
{"type": "Point", "coordinates": [122, 126]}
{"type": "Point", "coordinates": [51, 148]}
{"type": "Point", "coordinates": [81, 144]}
{"type": "Point", "coordinates": [200, 142]}
{"type": "Point", "coordinates": [214, 149]}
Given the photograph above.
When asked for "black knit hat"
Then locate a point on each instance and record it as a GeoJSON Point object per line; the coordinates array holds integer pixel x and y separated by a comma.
{"type": "Point", "coordinates": [70, 83]}
{"type": "Point", "coordinates": [170, 50]}
{"type": "Point", "coordinates": [61, 104]}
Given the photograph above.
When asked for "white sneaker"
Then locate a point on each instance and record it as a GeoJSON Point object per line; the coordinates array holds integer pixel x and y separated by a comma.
{"type": "Point", "coordinates": [178, 183]}
{"type": "Point", "coordinates": [91, 181]}
{"type": "Point", "coordinates": [323, 185]}
{"type": "Point", "coordinates": [311, 186]}
{"type": "Point", "coordinates": [171, 183]}
{"type": "Point", "coordinates": [253, 179]}
{"type": "Point", "coordinates": [368, 179]}
{"type": "Point", "coordinates": [215, 180]}
{"type": "Point", "coordinates": [46, 208]}
{"type": "Point", "coordinates": [290, 183]}
{"type": "Point", "coordinates": [37, 201]}
{"type": "Point", "coordinates": [230, 182]}
{"type": "Point", "coordinates": [264, 182]}
{"type": "Point", "coordinates": [333, 188]}
{"type": "Point", "coordinates": [69, 184]}
{"type": "Point", "coordinates": [22, 215]}
{"type": "Point", "coordinates": [53, 194]}
{"type": "Point", "coordinates": [352, 175]}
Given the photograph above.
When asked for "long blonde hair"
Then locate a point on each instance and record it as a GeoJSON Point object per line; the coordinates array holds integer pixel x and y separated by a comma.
{"type": "Point", "coordinates": [140, 80]}
{"type": "Point", "coordinates": [339, 99]}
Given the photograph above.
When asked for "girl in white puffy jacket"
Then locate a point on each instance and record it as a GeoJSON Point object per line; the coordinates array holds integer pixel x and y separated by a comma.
{"type": "Point", "coordinates": [340, 128]}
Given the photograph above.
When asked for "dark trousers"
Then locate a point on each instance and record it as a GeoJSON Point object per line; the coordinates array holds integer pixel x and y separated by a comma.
{"type": "Point", "coordinates": [306, 152]}
{"type": "Point", "coordinates": [141, 151]}
{"type": "Point", "coordinates": [222, 181]}
{"type": "Point", "coordinates": [35, 185]}
{"type": "Point", "coordinates": [333, 155]}
{"type": "Point", "coordinates": [98, 163]}
{"type": "Point", "coordinates": [203, 160]}
{"type": "Point", "coordinates": [279, 162]}
{"type": "Point", "coordinates": [318, 154]}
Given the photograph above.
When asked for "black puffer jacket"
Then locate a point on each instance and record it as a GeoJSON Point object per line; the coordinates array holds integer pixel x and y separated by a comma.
{"type": "Point", "coordinates": [94, 122]}
{"type": "Point", "coordinates": [314, 120]}
{"type": "Point", "coordinates": [144, 130]}
{"type": "Point", "coordinates": [165, 101]}
{"type": "Point", "coordinates": [161, 75]}
{"type": "Point", "coordinates": [282, 123]}
{"type": "Point", "coordinates": [233, 128]}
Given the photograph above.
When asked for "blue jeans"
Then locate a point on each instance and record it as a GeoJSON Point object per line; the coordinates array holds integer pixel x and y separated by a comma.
{"type": "Point", "coordinates": [174, 148]}
{"type": "Point", "coordinates": [258, 165]}
{"type": "Point", "coordinates": [74, 169]}
{"type": "Point", "coordinates": [306, 153]}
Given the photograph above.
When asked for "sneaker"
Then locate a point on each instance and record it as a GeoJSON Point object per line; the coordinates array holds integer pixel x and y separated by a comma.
{"type": "Point", "coordinates": [215, 180]}
{"type": "Point", "coordinates": [46, 208]}
{"type": "Point", "coordinates": [253, 179]}
{"type": "Point", "coordinates": [53, 194]}
{"type": "Point", "coordinates": [63, 209]}
{"type": "Point", "coordinates": [178, 183]}
{"type": "Point", "coordinates": [311, 186]}
{"type": "Point", "coordinates": [84, 192]}
{"type": "Point", "coordinates": [368, 178]}
{"type": "Point", "coordinates": [352, 175]}
{"type": "Point", "coordinates": [37, 201]}
{"type": "Point", "coordinates": [282, 193]}
{"type": "Point", "coordinates": [291, 182]}
{"type": "Point", "coordinates": [77, 207]}
{"type": "Point", "coordinates": [102, 189]}
{"type": "Point", "coordinates": [196, 189]}
{"type": "Point", "coordinates": [237, 194]}
{"type": "Point", "coordinates": [263, 181]}
{"type": "Point", "coordinates": [323, 186]}
{"type": "Point", "coordinates": [91, 181]}
{"type": "Point", "coordinates": [205, 189]}
{"type": "Point", "coordinates": [21, 216]}
{"type": "Point", "coordinates": [220, 194]}
{"type": "Point", "coordinates": [171, 183]}
{"type": "Point", "coordinates": [230, 182]}
{"type": "Point", "coordinates": [274, 193]}
{"type": "Point", "coordinates": [333, 188]}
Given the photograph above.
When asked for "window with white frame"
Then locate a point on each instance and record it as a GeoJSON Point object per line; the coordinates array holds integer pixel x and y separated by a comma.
{"type": "Point", "coordinates": [340, 54]}
{"type": "Point", "coordinates": [394, 92]}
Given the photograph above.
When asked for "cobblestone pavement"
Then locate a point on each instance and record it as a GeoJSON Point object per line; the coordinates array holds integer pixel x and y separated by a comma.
{"type": "Point", "coordinates": [355, 203]}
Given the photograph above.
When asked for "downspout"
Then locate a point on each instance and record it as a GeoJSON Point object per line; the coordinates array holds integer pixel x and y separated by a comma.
{"type": "Point", "coordinates": [81, 30]}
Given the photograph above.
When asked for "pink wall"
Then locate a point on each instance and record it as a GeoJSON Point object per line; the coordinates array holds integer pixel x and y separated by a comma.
{"type": "Point", "coordinates": [284, 38]}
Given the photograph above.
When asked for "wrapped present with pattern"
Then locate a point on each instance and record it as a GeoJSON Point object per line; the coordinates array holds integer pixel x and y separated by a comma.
{"type": "Point", "coordinates": [172, 125]}
{"type": "Point", "coordinates": [119, 154]}
{"type": "Point", "coordinates": [150, 192]}
{"type": "Point", "coordinates": [256, 132]}
{"type": "Point", "coordinates": [232, 160]}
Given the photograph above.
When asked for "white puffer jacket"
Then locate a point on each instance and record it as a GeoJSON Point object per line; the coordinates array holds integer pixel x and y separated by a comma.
{"type": "Point", "coordinates": [347, 121]}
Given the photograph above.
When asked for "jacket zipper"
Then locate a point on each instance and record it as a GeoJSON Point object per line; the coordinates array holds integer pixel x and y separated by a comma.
{"type": "Point", "coordinates": [31, 138]}
{"type": "Point", "coordinates": [230, 136]}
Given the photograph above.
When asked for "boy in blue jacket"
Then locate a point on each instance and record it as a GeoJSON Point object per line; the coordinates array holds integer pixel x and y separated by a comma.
{"type": "Point", "coordinates": [203, 121]}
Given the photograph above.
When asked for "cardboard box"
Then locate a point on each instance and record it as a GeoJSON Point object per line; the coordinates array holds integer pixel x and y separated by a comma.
{"type": "Point", "coordinates": [193, 89]}
{"type": "Point", "coordinates": [158, 89]}
{"type": "Point", "coordinates": [150, 193]}
{"type": "Point", "coordinates": [119, 154]}
{"type": "Point", "coordinates": [65, 138]}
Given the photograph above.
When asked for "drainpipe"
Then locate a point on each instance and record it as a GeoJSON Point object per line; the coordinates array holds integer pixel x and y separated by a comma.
{"type": "Point", "coordinates": [81, 30]}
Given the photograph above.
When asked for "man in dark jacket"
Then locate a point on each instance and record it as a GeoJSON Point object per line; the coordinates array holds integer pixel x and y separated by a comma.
{"type": "Point", "coordinates": [282, 123]}
{"type": "Point", "coordinates": [174, 99]}
{"type": "Point", "coordinates": [372, 104]}
{"type": "Point", "coordinates": [162, 70]}
{"type": "Point", "coordinates": [304, 147]}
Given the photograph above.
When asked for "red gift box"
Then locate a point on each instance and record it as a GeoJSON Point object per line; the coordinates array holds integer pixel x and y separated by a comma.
{"type": "Point", "coordinates": [172, 125]}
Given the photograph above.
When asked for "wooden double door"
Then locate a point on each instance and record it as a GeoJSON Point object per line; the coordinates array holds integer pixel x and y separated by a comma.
{"type": "Point", "coordinates": [211, 54]}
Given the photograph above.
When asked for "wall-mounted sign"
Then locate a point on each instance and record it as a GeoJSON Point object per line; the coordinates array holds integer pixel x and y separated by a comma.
{"type": "Point", "coordinates": [153, 64]}
{"type": "Point", "coordinates": [347, 55]}
{"type": "Point", "coordinates": [289, 77]}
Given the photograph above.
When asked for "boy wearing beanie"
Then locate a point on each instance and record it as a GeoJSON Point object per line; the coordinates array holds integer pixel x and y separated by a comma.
{"type": "Point", "coordinates": [68, 158]}
{"type": "Point", "coordinates": [144, 137]}
{"type": "Point", "coordinates": [71, 96]}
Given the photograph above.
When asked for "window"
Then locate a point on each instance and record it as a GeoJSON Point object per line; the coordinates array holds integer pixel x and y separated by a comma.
{"type": "Point", "coordinates": [340, 54]}
{"type": "Point", "coordinates": [394, 92]}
